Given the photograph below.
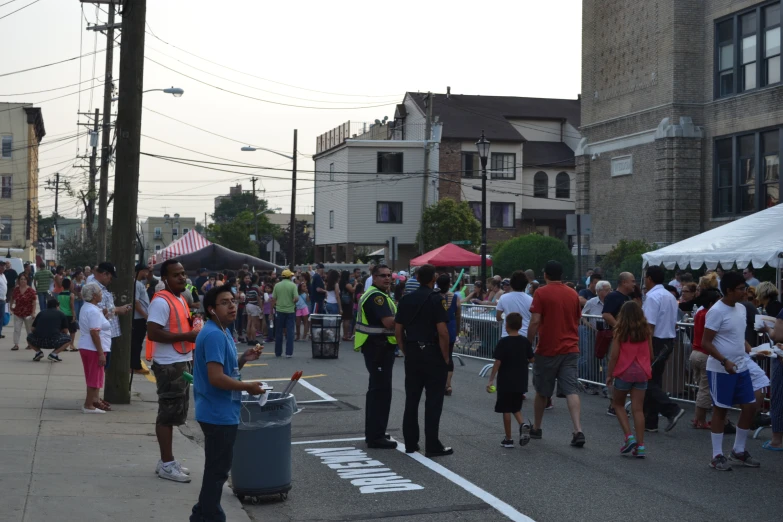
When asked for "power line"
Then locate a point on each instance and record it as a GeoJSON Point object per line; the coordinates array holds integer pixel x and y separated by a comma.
{"type": "Point", "coordinates": [9, 2]}
{"type": "Point", "coordinates": [25, 7]}
{"type": "Point", "coordinates": [51, 64]}
{"type": "Point", "coordinates": [47, 90]}
{"type": "Point", "coordinates": [262, 100]}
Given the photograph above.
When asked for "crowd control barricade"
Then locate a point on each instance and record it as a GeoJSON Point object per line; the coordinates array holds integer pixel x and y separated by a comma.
{"type": "Point", "coordinates": [479, 333]}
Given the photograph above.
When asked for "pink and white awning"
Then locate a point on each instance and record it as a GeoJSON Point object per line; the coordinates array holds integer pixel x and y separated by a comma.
{"type": "Point", "coordinates": [190, 242]}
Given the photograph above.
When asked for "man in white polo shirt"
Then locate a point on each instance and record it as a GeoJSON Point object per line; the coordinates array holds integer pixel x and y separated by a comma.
{"type": "Point", "coordinates": [660, 309]}
{"type": "Point", "coordinates": [727, 372]}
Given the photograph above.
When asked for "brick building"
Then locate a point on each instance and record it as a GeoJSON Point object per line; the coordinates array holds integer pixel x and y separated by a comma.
{"type": "Point", "coordinates": [682, 119]}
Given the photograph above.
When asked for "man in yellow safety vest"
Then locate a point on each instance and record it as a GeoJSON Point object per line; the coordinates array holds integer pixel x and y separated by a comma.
{"type": "Point", "coordinates": [375, 338]}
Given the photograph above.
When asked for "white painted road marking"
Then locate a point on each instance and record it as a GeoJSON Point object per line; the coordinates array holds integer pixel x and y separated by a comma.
{"type": "Point", "coordinates": [318, 391]}
{"type": "Point", "coordinates": [468, 486]}
{"type": "Point", "coordinates": [324, 441]}
{"type": "Point", "coordinates": [368, 474]}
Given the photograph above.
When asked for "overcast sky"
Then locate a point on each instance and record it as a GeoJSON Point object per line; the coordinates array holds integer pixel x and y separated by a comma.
{"type": "Point", "coordinates": [372, 51]}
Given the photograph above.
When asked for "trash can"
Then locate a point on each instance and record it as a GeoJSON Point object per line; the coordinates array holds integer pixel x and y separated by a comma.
{"type": "Point", "coordinates": [262, 452]}
{"type": "Point", "coordinates": [325, 335]}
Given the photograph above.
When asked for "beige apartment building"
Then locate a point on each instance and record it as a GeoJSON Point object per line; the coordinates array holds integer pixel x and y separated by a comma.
{"type": "Point", "coordinates": [160, 232]}
{"type": "Point", "coordinates": [21, 131]}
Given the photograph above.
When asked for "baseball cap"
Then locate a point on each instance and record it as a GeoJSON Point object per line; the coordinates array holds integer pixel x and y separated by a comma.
{"type": "Point", "coordinates": [202, 270]}
{"type": "Point", "coordinates": [319, 265]}
{"type": "Point", "coordinates": [107, 267]}
{"type": "Point", "coordinates": [287, 274]}
{"type": "Point", "coordinates": [140, 267]}
{"type": "Point", "coordinates": [403, 273]}
{"type": "Point", "coordinates": [506, 282]}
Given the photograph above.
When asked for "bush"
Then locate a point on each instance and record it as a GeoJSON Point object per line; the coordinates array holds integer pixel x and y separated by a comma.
{"type": "Point", "coordinates": [446, 221]}
{"type": "Point", "coordinates": [626, 256]}
{"type": "Point", "coordinates": [531, 252]}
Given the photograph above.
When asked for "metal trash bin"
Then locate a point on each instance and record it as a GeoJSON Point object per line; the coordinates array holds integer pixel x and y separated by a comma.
{"type": "Point", "coordinates": [325, 335]}
{"type": "Point", "coordinates": [262, 452]}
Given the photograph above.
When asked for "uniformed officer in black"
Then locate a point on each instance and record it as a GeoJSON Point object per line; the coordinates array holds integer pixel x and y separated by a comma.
{"type": "Point", "coordinates": [424, 338]}
{"type": "Point", "coordinates": [375, 338]}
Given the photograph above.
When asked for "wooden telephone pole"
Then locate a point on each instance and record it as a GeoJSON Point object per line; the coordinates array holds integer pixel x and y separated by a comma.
{"type": "Point", "coordinates": [126, 182]}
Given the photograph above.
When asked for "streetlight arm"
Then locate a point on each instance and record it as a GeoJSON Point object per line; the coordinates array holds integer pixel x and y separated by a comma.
{"type": "Point", "coordinates": [253, 149]}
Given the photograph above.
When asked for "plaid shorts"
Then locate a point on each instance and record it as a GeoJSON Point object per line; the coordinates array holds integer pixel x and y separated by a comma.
{"type": "Point", "coordinates": [173, 392]}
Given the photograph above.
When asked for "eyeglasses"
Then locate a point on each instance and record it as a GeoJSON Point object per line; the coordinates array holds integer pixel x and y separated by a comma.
{"type": "Point", "coordinates": [232, 302]}
{"type": "Point", "coordinates": [383, 275]}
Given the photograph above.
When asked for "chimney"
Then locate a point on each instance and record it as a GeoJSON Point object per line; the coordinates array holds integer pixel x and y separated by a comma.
{"type": "Point", "coordinates": [448, 92]}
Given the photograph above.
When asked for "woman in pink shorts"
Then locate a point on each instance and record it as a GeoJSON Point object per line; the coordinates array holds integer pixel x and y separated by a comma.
{"type": "Point", "coordinates": [94, 347]}
{"type": "Point", "coordinates": [302, 313]}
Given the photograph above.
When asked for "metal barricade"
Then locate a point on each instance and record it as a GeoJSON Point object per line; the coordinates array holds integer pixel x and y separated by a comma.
{"type": "Point", "coordinates": [479, 333]}
{"type": "Point", "coordinates": [591, 369]}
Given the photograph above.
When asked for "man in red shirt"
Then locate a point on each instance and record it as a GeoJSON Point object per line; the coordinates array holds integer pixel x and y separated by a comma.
{"type": "Point", "coordinates": [555, 315]}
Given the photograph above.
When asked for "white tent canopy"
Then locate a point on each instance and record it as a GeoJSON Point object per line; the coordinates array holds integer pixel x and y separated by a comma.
{"type": "Point", "coordinates": [756, 239]}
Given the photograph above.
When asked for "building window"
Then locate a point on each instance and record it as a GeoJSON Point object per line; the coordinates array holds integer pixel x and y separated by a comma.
{"type": "Point", "coordinates": [331, 219]}
{"type": "Point", "coordinates": [747, 173]}
{"type": "Point", "coordinates": [388, 212]}
{"type": "Point", "coordinates": [6, 190]}
{"type": "Point", "coordinates": [563, 186]}
{"type": "Point", "coordinates": [540, 185]}
{"type": "Point", "coordinates": [5, 224]}
{"type": "Point", "coordinates": [471, 166]}
{"type": "Point", "coordinates": [501, 215]}
{"type": "Point", "coordinates": [158, 233]}
{"type": "Point", "coordinates": [390, 163]}
{"type": "Point", "coordinates": [174, 232]}
{"type": "Point", "coordinates": [504, 165]}
{"type": "Point", "coordinates": [157, 248]}
{"type": "Point", "coordinates": [7, 146]}
{"type": "Point", "coordinates": [747, 53]}
{"type": "Point", "coordinates": [185, 231]}
{"type": "Point", "coordinates": [475, 206]}
{"type": "Point", "coordinates": [331, 172]}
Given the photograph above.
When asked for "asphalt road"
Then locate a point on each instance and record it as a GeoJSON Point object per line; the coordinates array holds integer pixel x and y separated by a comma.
{"type": "Point", "coordinates": [548, 480]}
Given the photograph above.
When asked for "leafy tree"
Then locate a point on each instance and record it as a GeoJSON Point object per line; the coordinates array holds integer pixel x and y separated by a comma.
{"type": "Point", "coordinates": [626, 256]}
{"type": "Point", "coordinates": [73, 251]}
{"type": "Point", "coordinates": [304, 243]}
{"type": "Point", "coordinates": [231, 207]}
{"type": "Point", "coordinates": [446, 221]}
{"type": "Point", "coordinates": [45, 225]}
{"type": "Point", "coordinates": [235, 234]}
{"type": "Point", "coordinates": [531, 251]}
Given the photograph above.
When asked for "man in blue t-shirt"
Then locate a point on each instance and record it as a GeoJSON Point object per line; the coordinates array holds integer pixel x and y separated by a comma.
{"type": "Point", "coordinates": [217, 391]}
{"type": "Point", "coordinates": [317, 290]}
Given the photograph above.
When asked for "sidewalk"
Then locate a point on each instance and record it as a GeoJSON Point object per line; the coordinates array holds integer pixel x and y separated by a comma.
{"type": "Point", "coordinates": [59, 464]}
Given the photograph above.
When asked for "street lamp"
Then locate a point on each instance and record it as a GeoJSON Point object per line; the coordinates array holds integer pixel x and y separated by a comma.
{"type": "Point", "coordinates": [292, 232]}
{"type": "Point", "coordinates": [174, 91]}
{"type": "Point", "coordinates": [482, 145]}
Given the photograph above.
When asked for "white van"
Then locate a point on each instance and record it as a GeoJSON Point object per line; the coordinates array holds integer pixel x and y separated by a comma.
{"type": "Point", "coordinates": [16, 263]}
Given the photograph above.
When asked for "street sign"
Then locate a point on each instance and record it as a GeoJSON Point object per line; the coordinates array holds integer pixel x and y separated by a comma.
{"type": "Point", "coordinates": [462, 242]}
{"type": "Point", "coordinates": [585, 224]}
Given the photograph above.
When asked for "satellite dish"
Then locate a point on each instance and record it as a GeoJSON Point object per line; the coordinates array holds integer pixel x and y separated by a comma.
{"type": "Point", "coordinates": [385, 119]}
{"type": "Point", "coordinates": [377, 122]}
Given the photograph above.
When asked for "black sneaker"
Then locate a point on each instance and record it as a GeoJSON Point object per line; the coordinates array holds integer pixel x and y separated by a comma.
{"type": "Point", "coordinates": [54, 357]}
{"type": "Point", "coordinates": [382, 444]}
{"type": "Point", "coordinates": [610, 411]}
{"type": "Point", "coordinates": [651, 430]}
{"type": "Point", "coordinates": [507, 443]}
{"type": "Point", "coordinates": [442, 452]}
{"type": "Point", "coordinates": [38, 356]}
{"type": "Point", "coordinates": [673, 420]}
{"type": "Point", "coordinates": [579, 440]}
{"type": "Point", "coordinates": [536, 433]}
{"type": "Point", "coordinates": [524, 434]}
{"type": "Point", "coordinates": [412, 449]}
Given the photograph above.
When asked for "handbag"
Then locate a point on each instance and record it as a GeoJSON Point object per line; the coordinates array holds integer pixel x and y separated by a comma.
{"type": "Point", "coordinates": [603, 340]}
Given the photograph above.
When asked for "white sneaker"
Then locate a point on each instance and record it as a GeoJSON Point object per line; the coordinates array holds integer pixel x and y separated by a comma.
{"type": "Point", "coordinates": [172, 472]}
{"type": "Point", "coordinates": [179, 466]}
{"type": "Point", "coordinates": [96, 410]}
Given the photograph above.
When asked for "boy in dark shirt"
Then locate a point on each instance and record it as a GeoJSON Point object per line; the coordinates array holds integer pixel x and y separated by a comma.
{"type": "Point", "coordinates": [512, 355]}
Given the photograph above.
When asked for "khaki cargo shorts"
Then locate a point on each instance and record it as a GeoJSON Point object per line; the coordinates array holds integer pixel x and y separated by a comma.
{"type": "Point", "coordinates": [173, 392]}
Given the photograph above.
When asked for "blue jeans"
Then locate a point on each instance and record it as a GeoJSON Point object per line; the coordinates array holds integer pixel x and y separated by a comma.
{"type": "Point", "coordinates": [287, 321]}
{"type": "Point", "coordinates": [2, 318]}
{"type": "Point", "coordinates": [332, 308]}
{"type": "Point", "coordinates": [77, 304]}
{"type": "Point", "coordinates": [42, 297]}
{"type": "Point", "coordinates": [218, 456]}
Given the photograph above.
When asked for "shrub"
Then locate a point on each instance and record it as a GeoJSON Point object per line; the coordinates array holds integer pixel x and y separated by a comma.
{"type": "Point", "coordinates": [531, 252]}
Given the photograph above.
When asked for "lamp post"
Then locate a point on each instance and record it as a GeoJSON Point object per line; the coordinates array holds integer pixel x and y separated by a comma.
{"type": "Point", "coordinates": [292, 226]}
{"type": "Point", "coordinates": [483, 151]}
{"type": "Point", "coordinates": [174, 91]}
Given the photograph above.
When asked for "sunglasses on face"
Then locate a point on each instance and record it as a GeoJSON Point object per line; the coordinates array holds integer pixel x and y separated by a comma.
{"type": "Point", "coordinates": [383, 275]}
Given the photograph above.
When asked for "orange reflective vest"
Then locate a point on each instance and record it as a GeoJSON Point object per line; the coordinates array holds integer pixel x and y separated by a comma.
{"type": "Point", "coordinates": [179, 322]}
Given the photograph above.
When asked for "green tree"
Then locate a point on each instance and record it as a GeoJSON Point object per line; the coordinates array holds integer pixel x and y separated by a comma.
{"type": "Point", "coordinates": [304, 243]}
{"type": "Point", "coordinates": [46, 225]}
{"type": "Point", "coordinates": [626, 256]}
{"type": "Point", "coordinates": [531, 251]}
{"type": "Point", "coordinates": [73, 251]}
{"type": "Point", "coordinates": [231, 207]}
{"type": "Point", "coordinates": [235, 234]}
{"type": "Point", "coordinates": [446, 221]}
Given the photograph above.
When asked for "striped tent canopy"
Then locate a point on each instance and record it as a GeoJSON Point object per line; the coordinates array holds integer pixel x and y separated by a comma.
{"type": "Point", "coordinates": [190, 242]}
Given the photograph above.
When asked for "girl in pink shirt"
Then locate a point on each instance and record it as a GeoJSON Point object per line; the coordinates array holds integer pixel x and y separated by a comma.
{"type": "Point", "coordinates": [630, 368]}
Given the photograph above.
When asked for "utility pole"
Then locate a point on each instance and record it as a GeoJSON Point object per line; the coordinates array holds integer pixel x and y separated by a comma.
{"type": "Point", "coordinates": [205, 224]}
{"type": "Point", "coordinates": [56, 190]}
{"type": "Point", "coordinates": [255, 206]}
{"type": "Point", "coordinates": [105, 145]}
{"type": "Point", "coordinates": [93, 175]}
{"type": "Point", "coordinates": [427, 133]}
{"type": "Point", "coordinates": [292, 247]}
{"type": "Point", "coordinates": [126, 182]}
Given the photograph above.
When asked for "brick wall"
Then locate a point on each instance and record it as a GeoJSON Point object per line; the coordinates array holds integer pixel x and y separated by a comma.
{"type": "Point", "coordinates": [450, 156]}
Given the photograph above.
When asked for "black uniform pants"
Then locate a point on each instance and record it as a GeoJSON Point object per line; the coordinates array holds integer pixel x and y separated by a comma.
{"type": "Point", "coordinates": [379, 360]}
{"type": "Point", "coordinates": [425, 369]}
{"type": "Point", "coordinates": [138, 331]}
{"type": "Point", "coordinates": [655, 400]}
